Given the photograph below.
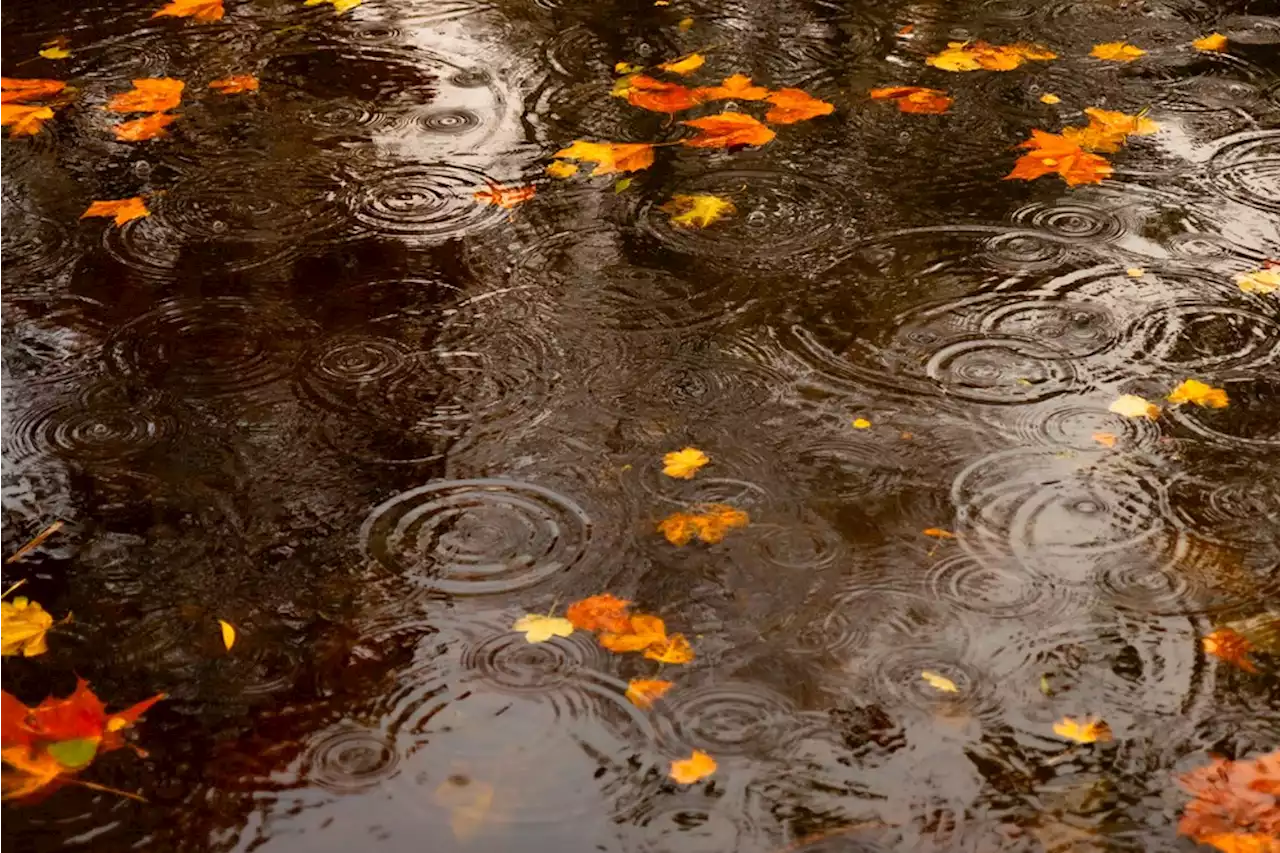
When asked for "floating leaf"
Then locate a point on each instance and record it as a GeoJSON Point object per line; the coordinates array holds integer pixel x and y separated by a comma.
{"type": "Point", "coordinates": [505, 197]}
{"type": "Point", "coordinates": [685, 64]}
{"type": "Point", "coordinates": [726, 130]}
{"type": "Point", "coordinates": [124, 209]}
{"type": "Point", "coordinates": [142, 129]}
{"type": "Point", "coordinates": [561, 169]}
{"type": "Point", "coordinates": [14, 90]}
{"type": "Point", "coordinates": [683, 464]}
{"type": "Point", "coordinates": [339, 6]}
{"type": "Point", "coordinates": [1052, 153]}
{"type": "Point", "coordinates": [202, 10]}
{"type": "Point", "coordinates": [737, 87]}
{"type": "Point", "coordinates": [643, 692]}
{"type": "Point", "coordinates": [978, 55]}
{"type": "Point", "coordinates": [24, 119]}
{"type": "Point", "coordinates": [1133, 406]}
{"type": "Point", "coordinates": [673, 649]}
{"type": "Point", "coordinates": [28, 771]}
{"type": "Point", "coordinates": [1228, 645]}
{"type": "Point", "coordinates": [23, 626]}
{"type": "Point", "coordinates": [655, 95]}
{"type": "Point", "coordinates": [56, 48]}
{"type": "Point", "coordinates": [1108, 130]}
{"type": "Point", "coordinates": [940, 682]}
{"type": "Point", "coordinates": [610, 157]}
{"type": "Point", "coordinates": [1260, 281]}
{"type": "Point", "coordinates": [622, 185]}
{"type": "Point", "coordinates": [149, 95]}
{"type": "Point", "coordinates": [686, 771]}
{"type": "Point", "coordinates": [793, 105]}
{"type": "Point", "coordinates": [539, 629]}
{"type": "Point", "coordinates": [1135, 272]}
{"type": "Point", "coordinates": [235, 84]}
{"type": "Point", "coordinates": [861, 423]}
{"type": "Point", "coordinates": [228, 633]}
{"type": "Point", "coordinates": [1088, 730]}
{"type": "Point", "coordinates": [1106, 439]}
{"type": "Point", "coordinates": [1200, 393]}
{"type": "Point", "coordinates": [914, 99]}
{"type": "Point", "coordinates": [1213, 41]}
{"type": "Point", "coordinates": [709, 525]}
{"type": "Point", "coordinates": [642, 632]}
{"type": "Point", "coordinates": [697, 210]}
{"type": "Point", "coordinates": [600, 613]}
{"type": "Point", "coordinates": [1116, 51]}
{"type": "Point", "coordinates": [1050, 98]}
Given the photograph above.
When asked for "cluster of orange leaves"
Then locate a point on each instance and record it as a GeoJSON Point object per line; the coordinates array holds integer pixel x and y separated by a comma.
{"type": "Point", "coordinates": [1235, 805]}
{"type": "Point", "coordinates": [622, 631]}
{"type": "Point", "coordinates": [17, 113]}
{"type": "Point", "coordinates": [45, 746]}
{"type": "Point", "coordinates": [1071, 154]}
{"type": "Point", "coordinates": [710, 524]}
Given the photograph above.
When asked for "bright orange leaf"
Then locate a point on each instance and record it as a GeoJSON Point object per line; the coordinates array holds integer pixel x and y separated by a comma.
{"type": "Point", "coordinates": [1051, 153]}
{"type": "Point", "coordinates": [235, 84]}
{"type": "Point", "coordinates": [793, 105]}
{"type": "Point", "coordinates": [1108, 130]}
{"type": "Point", "coordinates": [142, 129]}
{"type": "Point", "coordinates": [149, 95]}
{"type": "Point", "coordinates": [202, 10]}
{"type": "Point", "coordinates": [505, 197]}
{"type": "Point", "coordinates": [978, 55]}
{"type": "Point", "coordinates": [1199, 393]}
{"type": "Point", "coordinates": [938, 533]}
{"type": "Point", "coordinates": [709, 525]}
{"type": "Point", "coordinates": [915, 99]}
{"type": "Point", "coordinates": [124, 210]}
{"type": "Point", "coordinates": [686, 771]}
{"type": "Point", "coordinates": [14, 90]}
{"type": "Point", "coordinates": [737, 87]}
{"type": "Point", "coordinates": [1234, 801]}
{"type": "Point", "coordinates": [1230, 646]}
{"type": "Point", "coordinates": [1116, 51]}
{"type": "Point", "coordinates": [1088, 730]}
{"type": "Point", "coordinates": [643, 692]}
{"type": "Point", "coordinates": [24, 119]}
{"type": "Point", "coordinates": [658, 96]}
{"type": "Point", "coordinates": [726, 130]}
{"type": "Point", "coordinates": [600, 613]}
{"type": "Point", "coordinates": [80, 715]}
{"type": "Point", "coordinates": [685, 64]}
{"type": "Point", "coordinates": [642, 632]}
{"type": "Point", "coordinates": [674, 649]}
{"type": "Point", "coordinates": [1211, 42]}
{"type": "Point", "coordinates": [610, 157]}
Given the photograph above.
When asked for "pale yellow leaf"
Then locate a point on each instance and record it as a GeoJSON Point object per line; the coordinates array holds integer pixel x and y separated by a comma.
{"type": "Point", "coordinates": [1088, 730]}
{"type": "Point", "coordinates": [1133, 406]}
{"type": "Point", "coordinates": [539, 629]}
{"type": "Point", "coordinates": [939, 682]}
{"type": "Point", "coordinates": [683, 464]}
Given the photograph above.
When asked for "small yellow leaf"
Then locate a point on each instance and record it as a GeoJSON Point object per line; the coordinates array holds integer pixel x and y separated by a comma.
{"type": "Point", "coordinates": [938, 533]}
{"type": "Point", "coordinates": [685, 25]}
{"type": "Point", "coordinates": [1088, 730]}
{"type": "Point", "coordinates": [643, 692]}
{"type": "Point", "coordinates": [940, 682]}
{"type": "Point", "coordinates": [55, 53]}
{"type": "Point", "coordinates": [1116, 51]}
{"type": "Point", "coordinates": [561, 169]}
{"type": "Point", "coordinates": [539, 629]}
{"type": "Point", "coordinates": [1213, 41]}
{"type": "Point", "coordinates": [685, 64]}
{"type": "Point", "coordinates": [23, 626]}
{"type": "Point", "coordinates": [1133, 406]}
{"type": "Point", "coordinates": [1261, 281]}
{"type": "Point", "coordinates": [683, 464]}
{"type": "Point", "coordinates": [861, 423]}
{"type": "Point", "coordinates": [228, 633]}
{"type": "Point", "coordinates": [697, 211]}
{"type": "Point", "coordinates": [1106, 439]}
{"type": "Point", "coordinates": [1135, 272]}
{"type": "Point", "coordinates": [1200, 393]}
{"type": "Point", "coordinates": [1050, 98]}
{"type": "Point", "coordinates": [662, 2]}
{"type": "Point", "coordinates": [686, 771]}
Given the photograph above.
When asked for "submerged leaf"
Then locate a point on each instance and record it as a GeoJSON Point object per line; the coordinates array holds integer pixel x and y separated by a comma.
{"type": "Point", "coordinates": [1116, 51]}
{"type": "Point", "coordinates": [643, 692]}
{"type": "Point", "coordinates": [148, 95]}
{"type": "Point", "coordinates": [124, 209]}
{"type": "Point", "coordinates": [539, 629]}
{"type": "Point", "coordinates": [1133, 406]}
{"type": "Point", "coordinates": [1234, 801]}
{"type": "Point", "coordinates": [697, 211]}
{"type": "Point", "coordinates": [726, 130]}
{"type": "Point", "coordinates": [142, 129]}
{"type": "Point", "coordinates": [737, 87]}
{"type": "Point", "coordinates": [23, 626]}
{"type": "Point", "coordinates": [235, 84]}
{"type": "Point", "coordinates": [1088, 730]}
{"type": "Point", "coordinates": [1200, 393]}
{"type": "Point", "coordinates": [686, 771]}
{"type": "Point", "coordinates": [610, 157]}
{"type": "Point", "coordinates": [685, 64]}
{"type": "Point", "coordinates": [202, 10]}
{"type": "Point", "coordinates": [505, 197]}
{"type": "Point", "coordinates": [914, 99]}
{"type": "Point", "coordinates": [600, 613]}
{"type": "Point", "coordinates": [683, 464]}
{"type": "Point", "coordinates": [793, 105]}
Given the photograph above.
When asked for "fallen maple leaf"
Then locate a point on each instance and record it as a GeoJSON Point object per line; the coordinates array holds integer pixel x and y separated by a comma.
{"type": "Point", "coordinates": [915, 99]}
{"type": "Point", "coordinates": [685, 64]}
{"type": "Point", "coordinates": [14, 90]}
{"type": "Point", "coordinates": [339, 6]}
{"type": "Point", "coordinates": [58, 47]}
{"type": "Point", "coordinates": [686, 771]}
{"type": "Point", "coordinates": [228, 633]}
{"type": "Point", "coordinates": [655, 95]}
{"type": "Point", "coordinates": [1133, 406]}
{"type": "Point", "coordinates": [683, 464]}
{"type": "Point", "coordinates": [737, 87]}
{"type": "Point", "coordinates": [24, 119]}
{"type": "Point", "coordinates": [1116, 51]}
{"type": "Point", "coordinates": [142, 129]}
{"type": "Point", "coordinates": [685, 25]}
{"type": "Point", "coordinates": [1108, 130]}
{"type": "Point", "coordinates": [1265, 280]}
{"type": "Point", "coordinates": [505, 197]}
{"type": "Point", "coordinates": [1088, 730]}
{"type": "Point", "coordinates": [1234, 801]}
{"type": "Point", "coordinates": [793, 105]}
{"type": "Point", "coordinates": [31, 771]}
{"type": "Point", "coordinates": [673, 649]}
{"type": "Point", "coordinates": [698, 210]}
{"type": "Point", "coordinates": [149, 95]}
{"type": "Point", "coordinates": [124, 209]}
{"type": "Point", "coordinates": [1240, 842]}
{"type": "Point", "coordinates": [642, 632]}
{"type": "Point", "coordinates": [1051, 153]}
{"type": "Point", "coordinates": [1213, 41]}
{"type": "Point", "coordinates": [202, 10]}
{"type": "Point", "coordinates": [727, 129]}
{"type": "Point", "coordinates": [1230, 646]}
{"type": "Point", "coordinates": [610, 157]}
{"type": "Point", "coordinates": [709, 525]}
{"type": "Point", "coordinates": [979, 55]}
{"type": "Point", "coordinates": [80, 715]}
{"type": "Point", "coordinates": [600, 613]}
{"type": "Point", "coordinates": [1200, 393]}
{"type": "Point", "coordinates": [561, 169]}
{"type": "Point", "coordinates": [23, 626]}
{"type": "Point", "coordinates": [940, 682]}
{"type": "Point", "coordinates": [235, 84]}
{"type": "Point", "coordinates": [643, 692]}
{"type": "Point", "coordinates": [539, 629]}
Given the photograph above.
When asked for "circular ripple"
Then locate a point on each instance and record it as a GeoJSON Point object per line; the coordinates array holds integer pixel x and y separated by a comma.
{"type": "Point", "coordinates": [1198, 336]}
{"type": "Point", "coordinates": [429, 202]}
{"type": "Point", "coordinates": [205, 347]}
{"type": "Point", "coordinates": [1251, 420]}
{"type": "Point", "coordinates": [347, 761]}
{"type": "Point", "coordinates": [455, 121]}
{"type": "Point", "coordinates": [990, 587]}
{"type": "Point", "coordinates": [339, 370]}
{"type": "Point", "coordinates": [476, 537]}
{"type": "Point", "coordinates": [780, 215]}
{"type": "Point", "coordinates": [97, 433]}
{"type": "Point", "coordinates": [1147, 588]}
{"type": "Point", "coordinates": [511, 662]}
{"type": "Point", "coordinates": [1001, 371]}
{"type": "Point", "coordinates": [1246, 169]}
{"type": "Point", "coordinates": [732, 719]}
{"type": "Point", "coordinates": [1237, 502]}
{"type": "Point", "coordinates": [896, 679]}
{"type": "Point", "coordinates": [1072, 220]}
{"type": "Point", "coordinates": [1021, 251]}
{"type": "Point", "coordinates": [1068, 423]}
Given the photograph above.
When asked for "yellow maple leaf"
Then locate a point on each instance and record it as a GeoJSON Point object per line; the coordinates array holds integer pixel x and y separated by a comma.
{"type": "Point", "coordinates": [685, 25]}
{"type": "Point", "coordinates": [940, 682]}
{"type": "Point", "coordinates": [124, 209]}
{"type": "Point", "coordinates": [204, 11]}
{"type": "Point", "coordinates": [1106, 439]}
{"type": "Point", "coordinates": [686, 771]}
{"type": "Point", "coordinates": [1133, 406]}
{"type": "Point", "coordinates": [1200, 393]}
{"type": "Point", "coordinates": [610, 157]}
{"type": "Point", "coordinates": [685, 64]}
{"type": "Point", "coordinates": [1213, 41]}
{"type": "Point", "coordinates": [683, 464]}
{"type": "Point", "coordinates": [228, 633]}
{"type": "Point", "coordinates": [1260, 281]}
{"type": "Point", "coordinates": [339, 6]}
{"type": "Point", "coordinates": [643, 692]}
{"type": "Point", "coordinates": [1108, 130]}
{"type": "Point", "coordinates": [23, 626]}
{"type": "Point", "coordinates": [1088, 730]}
{"type": "Point", "coordinates": [673, 649]}
{"type": "Point", "coordinates": [697, 211]}
{"type": "Point", "coordinates": [1116, 51]}
{"type": "Point", "coordinates": [539, 629]}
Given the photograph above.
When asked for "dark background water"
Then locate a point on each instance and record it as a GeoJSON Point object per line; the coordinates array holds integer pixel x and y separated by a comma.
{"type": "Point", "coordinates": [322, 394]}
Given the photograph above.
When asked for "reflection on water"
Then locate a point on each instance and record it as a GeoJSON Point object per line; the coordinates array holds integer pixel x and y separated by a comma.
{"type": "Point", "coordinates": [323, 394]}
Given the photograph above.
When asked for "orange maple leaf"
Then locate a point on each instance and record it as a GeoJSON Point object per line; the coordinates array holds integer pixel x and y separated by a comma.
{"type": "Point", "coordinates": [1052, 153]}
{"type": "Point", "coordinates": [505, 197]}
{"type": "Point", "coordinates": [124, 210]}
{"type": "Point", "coordinates": [235, 84]}
{"type": "Point", "coordinates": [1233, 799]}
{"type": "Point", "coordinates": [686, 771]}
{"type": "Point", "coordinates": [793, 105]}
{"type": "Point", "coordinates": [643, 692]}
{"type": "Point", "coordinates": [80, 715]}
{"type": "Point", "coordinates": [658, 96]}
{"type": "Point", "coordinates": [737, 87]}
{"type": "Point", "coordinates": [1108, 130]}
{"type": "Point", "coordinates": [610, 157]}
{"type": "Point", "coordinates": [710, 524]}
{"type": "Point", "coordinates": [149, 95]}
{"type": "Point", "coordinates": [142, 129]}
{"type": "Point", "coordinates": [642, 632]}
{"type": "Point", "coordinates": [915, 99]}
{"type": "Point", "coordinates": [674, 649]}
{"type": "Point", "coordinates": [14, 90]}
{"type": "Point", "coordinates": [202, 10]}
{"type": "Point", "coordinates": [727, 129]}
{"type": "Point", "coordinates": [600, 613]}
{"type": "Point", "coordinates": [1230, 646]}
{"type": "Point", "coordinates": [24, 119]}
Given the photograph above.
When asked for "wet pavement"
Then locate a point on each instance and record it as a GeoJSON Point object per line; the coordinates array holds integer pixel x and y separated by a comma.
{"type": "Point", "coordinates": [323, 394]}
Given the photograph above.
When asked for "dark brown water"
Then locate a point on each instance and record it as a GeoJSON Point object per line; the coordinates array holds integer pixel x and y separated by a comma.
{"type": "Point", "coordinates": [324, 395]}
